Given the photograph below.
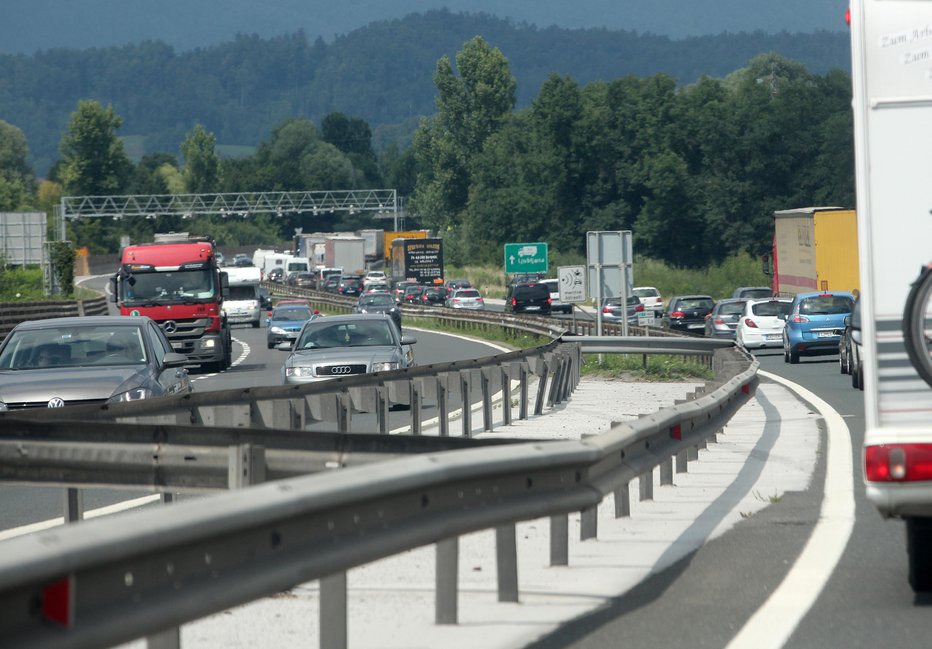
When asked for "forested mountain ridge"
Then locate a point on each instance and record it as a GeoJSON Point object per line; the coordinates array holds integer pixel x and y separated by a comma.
{"type": "Point", "coordinates": [31, 25]}
{"type": "Point", "coordinates": [382, 73]}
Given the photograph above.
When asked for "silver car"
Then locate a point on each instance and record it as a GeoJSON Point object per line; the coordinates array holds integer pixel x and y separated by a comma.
{"type": "Point", "coordinates": [466, 298]}
{"type": "Point", "coordinates": [346, 345]}
{"type": "Point", "coordinates": [87, 360]}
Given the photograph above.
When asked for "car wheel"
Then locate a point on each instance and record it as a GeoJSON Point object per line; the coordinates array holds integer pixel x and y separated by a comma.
{"type": "Point", "coordinates": [841, 363]}
{"type": "Point", "coordinates": [860, 385]}
{"type": "Point", "coordinates": [786, 354]}
{"type": "Point", "coordinates": [794, 357]}
{"type": "Point", "coordinates": [271, 345]}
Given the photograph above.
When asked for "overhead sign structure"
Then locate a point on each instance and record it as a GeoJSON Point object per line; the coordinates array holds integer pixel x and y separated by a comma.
{"type": "Point", "coordinates": [526, 258]}
{"type": "Point", "coordinates": [572, 283]}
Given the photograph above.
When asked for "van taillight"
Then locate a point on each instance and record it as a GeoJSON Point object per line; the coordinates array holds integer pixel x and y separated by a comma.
{"type": "Point", "coordinates": [898, 463]}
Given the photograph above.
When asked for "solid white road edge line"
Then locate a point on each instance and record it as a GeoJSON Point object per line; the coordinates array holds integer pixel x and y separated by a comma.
{"type": "Point", "coordinates": [102, 511]}
{"type": "Point", "coordinates": [773, 623]}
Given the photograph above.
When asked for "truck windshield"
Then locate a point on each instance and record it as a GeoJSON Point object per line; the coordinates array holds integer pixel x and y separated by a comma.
{"type": "Point", "coordinates": [168, 287]}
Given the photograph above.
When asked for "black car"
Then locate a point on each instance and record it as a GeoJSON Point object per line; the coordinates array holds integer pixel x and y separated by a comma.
{"type": "Point", "coordinates": [331, 284]}
{"type": "Point", "coordinates": [412, 294]}
{"type": "Point", "coordinates": [350, 285]}
{"type": "Point", "coordinates": [379, 303]}
{"type": "Point", "coordinates": [433, 296]}
{"type": "Point", "coordinates": [302, 279]}
{"type": "Point", "coordinates": [276, 275]}
{"type": "Point", "coordinates": [531, 297]}
{"type": "Point", "coordinates": [687, 313]}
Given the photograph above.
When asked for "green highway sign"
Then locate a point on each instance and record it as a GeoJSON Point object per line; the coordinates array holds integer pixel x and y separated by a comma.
{"type": "Point", "coordinates": [526, 258]}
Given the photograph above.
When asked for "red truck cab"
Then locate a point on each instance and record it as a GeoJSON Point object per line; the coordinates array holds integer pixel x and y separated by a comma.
{"type": "Point", "coordinates": [178, 283]}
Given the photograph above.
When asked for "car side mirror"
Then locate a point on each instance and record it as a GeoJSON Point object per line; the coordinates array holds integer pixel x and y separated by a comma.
{"type": "Point", "coordinates": [847, 320]}
{"type": "Point", "coordinates": [284, 346]}
{"type": "Point", "coordinates": [408, 340]}
{"type": "Point", "coordinates": [174, 359]}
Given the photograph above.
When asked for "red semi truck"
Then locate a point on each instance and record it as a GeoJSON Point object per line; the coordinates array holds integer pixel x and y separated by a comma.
{"type": "Point", "coordinates": [176, 281]}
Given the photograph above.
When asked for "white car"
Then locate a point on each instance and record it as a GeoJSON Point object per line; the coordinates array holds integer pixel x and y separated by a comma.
{"type": "Point", "coordinates": [553, 285]}
{"type": "Point", "coordinates": [650, 298]}
{"type": "Point", "coordinates": [762, 322]}
{"type": "Point", "coordinates": [375, 276]}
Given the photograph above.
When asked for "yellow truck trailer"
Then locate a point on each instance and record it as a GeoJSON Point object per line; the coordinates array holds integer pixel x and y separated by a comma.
{"type": "Point", "coordinates": [815, 249]}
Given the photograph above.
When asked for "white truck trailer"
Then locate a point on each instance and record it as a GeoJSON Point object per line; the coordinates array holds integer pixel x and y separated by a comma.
{"type": "Point", "coordinates": [243, 304]}
{"type": "Point", "coordinates": [891, 50]}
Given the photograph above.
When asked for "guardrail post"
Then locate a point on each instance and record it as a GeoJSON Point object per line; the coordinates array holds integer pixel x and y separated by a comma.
{"type": "Point", "coordinates": [666, 471]}
{"type": "Point", "coordinates": [344, 412]}
{"type": "Point", "coordinates": [541, 386]}
{"type": "Point", "coordinates": [506, 556]}
{"type": "Point", "coordinates": [466, 405]}
{"type": "Point", "coordinates": [447, 585]}
{"type": "Point", "coordinates": [589, 523]}
{"type": "Point", "coordinates": [485, 383]}
{"type": "Point", "coordinates": [74, 505]}
{"type": "Point", "coordinates": [560, 540]}
{"type": "Point", "coordinates": [646, 486]}
{"type": "Point", "coordinates": [443, 406]}
{"type": "Point", "coordinates": [522, 380]}
{"type": "Point", "coordinates": [333, 615]}
{"type": "Point", "coordinates": [682, 458]}
{"type": "Point", "coordinates": [553, 395]}
{"type": "Point", "coordinates": [247, 466]}
{"type": "Point", "coordinates": [381, 408]}
{"type": "Point", "coordinates": [623, 501]}
{"type": "Point", "coordinates": [506, 396]}
{"type": "Point", "coordinates": [415, 400]}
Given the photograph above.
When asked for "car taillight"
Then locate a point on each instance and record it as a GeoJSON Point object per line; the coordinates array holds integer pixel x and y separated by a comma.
{"type": "Point", "coordinates": [750, 323]}
{"type": "Point", "coordinates": [513, 301]}
{"type": "Point", "coordinates": [456, 299]}
{"type": "Point", "coordinates": [606, 309]}
{"type": "Point", "coordinates": [718, 321]}
{"type": "Point", "coordinates": [677, 314]}
{"type": "Point", "coordinates": [898, 463]}
{"type": "Point", "coordinates": [549, 300]}
{"type": "Point", "coordinates": [479, 299]}
{"type": "Point", "coordinates": [799, 318]}
{"type": "Point", "coordinates": [639, 307]}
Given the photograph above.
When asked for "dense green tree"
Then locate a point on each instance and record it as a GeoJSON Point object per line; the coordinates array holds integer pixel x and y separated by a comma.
{"type": "Point", "coordinates": [201, 170]}
{"type": "Point", "coordinates": [14, 154]}
{"type": "Point", "coordinates": [93, 160]}
{"type": "Point", "coordinates": [149, 175]}
{"type": "Point", "coordinates": [471, 107]}
{"type": "Point", "coordinates": [349, 135]}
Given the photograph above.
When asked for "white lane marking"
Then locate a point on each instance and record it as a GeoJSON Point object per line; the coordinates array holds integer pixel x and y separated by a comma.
{"type": "Point", "coordinates": [774, 622]}
{"type": "Point", "coordinates": [94, 513]}
{"type": "Point", "coordinates": [244, 353]}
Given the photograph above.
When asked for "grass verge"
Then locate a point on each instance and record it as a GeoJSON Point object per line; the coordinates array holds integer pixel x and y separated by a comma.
{"type": "Point", "coordinates": [644, 367]}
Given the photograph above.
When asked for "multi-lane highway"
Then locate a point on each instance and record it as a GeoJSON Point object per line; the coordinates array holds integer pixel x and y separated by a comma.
{"type": "Point", "coordinates": [702, 601]}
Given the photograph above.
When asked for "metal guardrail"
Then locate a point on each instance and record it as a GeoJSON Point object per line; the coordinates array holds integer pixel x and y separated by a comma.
{"type": "Point", "coordinates": [12, 313]}
{"type": "Point", "coordinates": [110, 580]}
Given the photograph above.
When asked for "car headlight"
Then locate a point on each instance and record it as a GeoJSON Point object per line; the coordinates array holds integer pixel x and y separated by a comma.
{"type": "Point", "coordinates": [277, 330]}
{"type": "Point", "coordinates": [385, 367]}
{"type": "Point", "coordinates": [364, 310]}
{"type": "Point", "coordinates": [136, 394]}
{"type": "Point", "coordinates": [300, 371]}
{"type": "Point", "coordinates": [3, 407]}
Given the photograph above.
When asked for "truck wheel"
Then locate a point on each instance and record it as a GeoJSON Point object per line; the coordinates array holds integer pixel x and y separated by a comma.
{"type": "Point", "coordinates": [919, 551]}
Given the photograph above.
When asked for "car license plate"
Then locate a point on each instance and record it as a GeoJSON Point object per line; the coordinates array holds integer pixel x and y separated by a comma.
{"type": "Point", "coordinates": [177, 345]}
{"type": "Point", "coordinates": [826, 334]}
{"type": "Point", "coordinates": [533, 308]}
{"type": "Point", "coordinates": [772, 337]}
{"type": "Point", "coordinates": [695, 326]}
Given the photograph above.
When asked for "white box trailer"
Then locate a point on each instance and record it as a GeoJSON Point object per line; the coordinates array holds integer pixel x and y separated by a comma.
{"type": "Point", "coordinates": [243, 306]}
{"type": "Point", "coordinates": [891, 48]}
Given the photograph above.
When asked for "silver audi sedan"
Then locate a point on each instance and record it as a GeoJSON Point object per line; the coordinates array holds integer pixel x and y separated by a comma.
{"type": "Point", "coordinates": [87, 360]}
{"type": "Point", "coordinates": [345, 345]}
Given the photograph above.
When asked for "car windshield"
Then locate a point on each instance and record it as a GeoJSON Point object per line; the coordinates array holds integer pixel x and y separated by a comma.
{"type": "Point", "coordinates": [694, 303]}
{"type": "Point", "coordinates": [466, 293]}
{"type": "Point", "coordinates": [291, 313]}
{"type": "Point", "coordinates": [73, 346]}
{"type": "Point", "coordinates": [646, 292]}
{"type": "Point", "coordinates": [377, 300]}
{"type": "Point", "coordinates": [172, 286]}
{"type": "Point", "coordinates": [243, 293]}
{"type": "Point", "coordinates": [774, 309]}
{"type": "Point", "coordinates": [346, 334]}
{"type": "Point", "coordinates": [731, 308]}
{"type": "Point", "coordinates": [825, 305]}
{"type": "Point", "coordinates": [755, 293]}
